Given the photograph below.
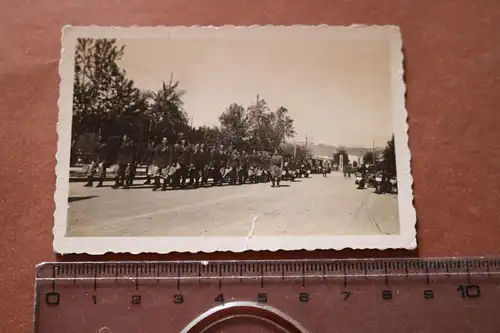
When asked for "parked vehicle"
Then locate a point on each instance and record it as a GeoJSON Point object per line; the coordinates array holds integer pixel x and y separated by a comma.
{"type": "Point", "coordinates": [362, 181]}
{"type": "Point", "coordinates": [371, 179]}
{"type": "Point", "coordinates": [305, 170]}
{"type": "Point", "coordinates": [382, 184]}
{"type": "Point", "coordinates": [358, 178]}
{"type": "Point", "coordinates": [394, 183]}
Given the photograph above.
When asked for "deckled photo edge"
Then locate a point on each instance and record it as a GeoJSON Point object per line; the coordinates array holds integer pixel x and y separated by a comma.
{"type": "Point", "coordinates": [99, 245]}
{"type": "Point", "coordinates": [407, 212]}
{"type": "Point", "coordinates": [64, 123]}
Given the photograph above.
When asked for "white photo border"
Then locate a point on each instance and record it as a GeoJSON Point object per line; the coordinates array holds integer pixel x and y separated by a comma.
{"type": "Point", "coordinates": [406, 239]}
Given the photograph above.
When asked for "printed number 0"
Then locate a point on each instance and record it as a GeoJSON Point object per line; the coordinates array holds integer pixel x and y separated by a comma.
{"type": "Point", "coordinates": [178, 299]}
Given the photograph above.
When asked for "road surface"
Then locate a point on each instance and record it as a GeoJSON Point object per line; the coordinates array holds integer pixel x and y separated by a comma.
{"type": "Point", "coordinates": [312, 206]}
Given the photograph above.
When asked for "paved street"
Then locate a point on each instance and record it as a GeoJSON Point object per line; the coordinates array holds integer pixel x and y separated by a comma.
{"type": "Point", "coordinates": [313, 206]}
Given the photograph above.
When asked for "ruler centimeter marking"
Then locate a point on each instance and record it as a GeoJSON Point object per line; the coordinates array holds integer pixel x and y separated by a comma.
{"type": "Point", "coordinates": [263, 270]}
{"type": "Point", "coordinates": [269, 283]}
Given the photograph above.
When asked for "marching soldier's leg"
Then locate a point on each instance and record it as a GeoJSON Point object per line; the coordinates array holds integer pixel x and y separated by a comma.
{"type": "Point", "coordinates": [128, 174]}
{"type": "Point", "coordinates": [165, 182]}
{"type": "Point", "coordinates": [156, 173]}
{"type": "Point", "coordinates": [215, 176]}
{"type": "Point", "coordinates": [102, 174]}
{"type": "Point", "coordinates": [148, 176]}
{"type": "Point", "coordinates": [121, 175]}
{"type": "Point", "coordinates": [245, 174]}
{"type": "Point", "coordinates": [234, 176]}
{"type": "Point", "coordinates": [241, 175]}
{"type": "Point", "coordinates": [181, 175]}
{"type": "Point", "coordinates": [195, 177]}
{"type": "Point", "coordinates": [184, 174]}
{"type": "Point", "coordinates": [90, 175]}
{"type": "Point", "coordinates": [131, 177]}
{"type": "Point", "coordinates": [176, 178]}
{"type": "Point", "coordinates": [204, 179]}
{"type": "Point", "coordinates": [118, 172]}
{"type": "Point", "coordinates": [190, 175]}
{"type": "Point", "coordinates": [204, 176]}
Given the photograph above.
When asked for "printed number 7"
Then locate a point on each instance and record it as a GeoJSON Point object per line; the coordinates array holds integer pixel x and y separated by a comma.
{"type": "Point", "coordinates": [346, 294]}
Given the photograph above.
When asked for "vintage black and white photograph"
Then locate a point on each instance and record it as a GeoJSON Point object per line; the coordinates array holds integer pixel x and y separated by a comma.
{"type": "Point", "coordinates": [207, 139]}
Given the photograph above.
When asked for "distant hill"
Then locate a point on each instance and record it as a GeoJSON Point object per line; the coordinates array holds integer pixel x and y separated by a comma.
{"type": "Point", "coordinates": [327, 150]}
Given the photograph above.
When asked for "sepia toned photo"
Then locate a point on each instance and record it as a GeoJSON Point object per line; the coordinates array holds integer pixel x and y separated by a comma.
{"type": "Point", "coordinates": [192, 139]}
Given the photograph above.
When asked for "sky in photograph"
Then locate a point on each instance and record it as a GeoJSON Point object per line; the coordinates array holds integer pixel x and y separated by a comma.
{"type": "Point", "coordinates": [338, 92]}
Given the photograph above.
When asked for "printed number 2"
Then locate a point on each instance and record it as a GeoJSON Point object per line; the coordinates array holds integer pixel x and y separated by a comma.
{"type": "Point", "coordinates": [262, 298]}
{"type": "Point", "coordinates": [387, 294]}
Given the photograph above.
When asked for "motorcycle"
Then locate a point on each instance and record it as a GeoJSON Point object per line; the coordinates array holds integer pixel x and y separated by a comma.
{"type": "Point", "coordinates": [307, 171]}
{"type": "Point", "coordinates": [394, 184]}
{"type": "Point", "coordinates": [286, 174]}
{"type": "Point", "coordinates": [371, 179]}
{"type": "Point", "coordinates": [302, 171]}
{"type": "Point", "coordinates": [362, 182]}
{"type": "Point", "coordinates": [382, 184]}
{"type": "Point", "coordinates": [358, 178]}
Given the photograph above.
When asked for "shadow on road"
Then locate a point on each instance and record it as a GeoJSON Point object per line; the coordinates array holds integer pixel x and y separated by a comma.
{"type": "Point", "coordinates": [73, 199]}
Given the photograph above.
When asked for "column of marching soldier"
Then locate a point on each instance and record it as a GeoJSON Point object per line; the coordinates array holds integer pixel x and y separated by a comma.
{"type": "Point", "coordinates": [173, 164]}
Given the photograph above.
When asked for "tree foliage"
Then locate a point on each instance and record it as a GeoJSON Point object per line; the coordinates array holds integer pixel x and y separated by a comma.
{"type": "Point", "coordinates": [106, 101]}
{"type": "Point", "coordinates": [390, 157]}
{"type": "Point", "coordinates": [166, 114]}
{"type": "Point", "coordinates": [369, 157]}
{"type": "Point", "coordinates": [234, 126]}
{"type": "Point", "coordinates": [300, 151]}
{"type": "Point", "coordinates": [102, 92]}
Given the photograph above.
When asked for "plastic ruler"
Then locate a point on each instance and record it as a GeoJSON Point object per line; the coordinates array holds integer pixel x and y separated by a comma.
{"type": "Point", "coordinates": [315, 296]}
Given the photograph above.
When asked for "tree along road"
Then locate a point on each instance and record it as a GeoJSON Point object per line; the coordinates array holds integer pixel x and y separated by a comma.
{"type": "Point", "coordinates": [311, 206]}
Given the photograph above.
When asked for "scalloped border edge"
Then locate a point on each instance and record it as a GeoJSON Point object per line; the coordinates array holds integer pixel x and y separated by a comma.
{"type": "Point", "coordinates": [407, 239]}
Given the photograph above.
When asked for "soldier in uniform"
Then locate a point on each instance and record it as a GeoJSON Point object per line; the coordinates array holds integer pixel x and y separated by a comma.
{"type": "Point", "coordinates": [134, 165]}
{"type": "Point", "coordinates": [162, 160]}
{"type": "Point", "coordinates": [220, 162]}
{"type": "Point", "coordinates": [211, 168]}
{"type": "Point", "coordinates": [294, 168]}
{"type": "Point", "coordinates": [253, 160]}
{"type": "Point", "coordinates": [174, 172]}
{"type": "Point", "coordinates": [204, 159]}
{"type": "Point", "coordinates": [275, 167]}
{"type": "Point", "coordinates": [243, 167]}
{"type": "Point", "coordinates": [124, 163]}
{"type": "Point", "coordinates": [100, 162]}
{"type": "Point", "coordinates": [147, 160]}
{"type": "Point", "coordinates": [183, 153]}
{"type": "Point", "coordinates": [234, 165]}
{"type": "Point", "coordinates": [323, 169]}
{"type": "Point", "coordinates": [266, 162]}
{"type": "Point", "coordinates": [196, 165]}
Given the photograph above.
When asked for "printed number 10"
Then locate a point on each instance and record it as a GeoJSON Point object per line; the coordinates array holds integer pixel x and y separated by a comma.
{"type": "Point", "coordinates": [469, 291]}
